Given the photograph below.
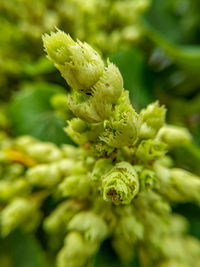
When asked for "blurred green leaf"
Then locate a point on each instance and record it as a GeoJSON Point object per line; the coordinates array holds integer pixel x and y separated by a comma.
{"type": "Point", "coordinates": [31, 113]}
{"type": "Point", "coordinates": [131, 64]}
{"type": "Point", "coordinates": [163, 28]}
{"type": "Point", "coordinates": [160, 16]}
{"type": "Point", "coordinates": [21, 250]}
{"type": "Point", "coordinates": [176, 59]}
{"type": "Point", "coordinates": [187, 57]}
{"type": "Point", "coordinates": [41, 66]}
{"type": "Point", "coordinates": [177, 20]}
{"type": "Point", "coordinates": [188, 157]}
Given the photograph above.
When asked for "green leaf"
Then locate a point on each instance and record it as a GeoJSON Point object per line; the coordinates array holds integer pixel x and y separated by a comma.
{"type": "Point", "coordinates": [131, 64]}
{"type": "Point", "coordinates": [188, 57]}
{"type": "Point", "coordinates": [167, 30]}
{"type": "Point", "coordinates": [160, 15]}
{"type": "Point", "coordinates": [188, 157]}
{"type": "Point", "coordinates": [31, 113]}
{"type": "Point", "coordinates": [20, 249]}
{"type": "Point", "coordinates": [41, 66]}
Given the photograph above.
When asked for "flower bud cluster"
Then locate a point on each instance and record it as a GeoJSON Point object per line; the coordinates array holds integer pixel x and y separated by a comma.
{"type": "Point", "coordinates": [118, 184]}
{"type": "Point", "coordinates": [121, 184]}
{"type": "Point", "coordinates": [105, 115]}
{"type": "Point", "coordinates": [83, 19]}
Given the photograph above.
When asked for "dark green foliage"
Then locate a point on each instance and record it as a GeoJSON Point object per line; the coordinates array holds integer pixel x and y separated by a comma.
{"type": "Point", "coordinates": [21, 250]}
{"type": "Point", "coordinates": [31, 113]}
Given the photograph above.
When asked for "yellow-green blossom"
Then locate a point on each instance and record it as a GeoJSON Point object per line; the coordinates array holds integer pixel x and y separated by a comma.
{"type": "Point", "coordinates": [174, 135]}
{"type": "Point", "coordinates": [153, 118]}
{"type": "Point", "coordinates": [120, 184]}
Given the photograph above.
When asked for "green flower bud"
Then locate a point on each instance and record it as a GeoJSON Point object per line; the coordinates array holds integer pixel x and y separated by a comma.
{"type": "Point", "coordinates": [14, 170]}
{"type": "Point", "coordinates": [10, 189]}
{"type": "Point", "coordinates": [101, 149]}
{"type": "Point", "coordinates": [121, 184]}
{"type": "Point", "coordinates": [142, 5]}
{"type": "Point", "coordinates": [101, 105]}
{"type": "Point", "coordinates": [122, 128]}
{"type": "Point", "coordinates": [155, 202]}
{"type": "Point", "coordinates": [97, 106]}
{"type": "Point", "coordinates": [185, 186]}
{"type": "Point", "coordinates": [166, 161]}
{"type": "Point", "coordinates": [153, 118]}
{"type": "Point", "coordinates": [186, 249]}
{"type": "Point", "coordinates": [88, 108]}
{"type": "Point", "coordinates": [174, 135]}
{"type": "Point", "coordinates": [82, 133]}
{"type": "Point", "coordinates": [69, 166]}
{"type": "Point", "coordinates": [147, 179]}
{"type": "Point", "coordinates": [76, 186]}
{"type": "Point", "coordinates": [76, 251]}
{"type": "Point", "coordinates": [162, 172]}
{"type": "Point", "coordinates": [130, 228]}
{"type": "Point", "coordinates": [80, 65]}
{"type": "Point", "coordinates": [177, 184]}
{"type": "Point", "coordinates": [90, 225]}
{"type": "Point", "coordinates": [160, 206]}
{"type": "Point", "coordinates": [128, 232]}
{"type": "Point", "coordinates": [101, 167]}
{"type": "Point", "coordinates": [20, 212]}
{"type": "Point", "coordinates": [43, 152]}
{"type": "Point", "coordinates": [78, 138]}
{"type": "Point", "coordinates": [57, 221]}
{"type": "Point", "coordinates": [109, 86]}
{"type": "Point", "coordinates": [131, 33]}
{"type": "Point", "coordinates": [23, 142]}
{"type": "Point", "coordinates": [178, 224]}
{"type": "Point", "coordinates": [57, 46]}
{"type": "Point", "coordinates": [124, 248]}
{"type": "Point", "coordinates": [6, 190]}
{"type": "Point", "coordinates": [150, 150]}
{"type": "Point", "coordinates": [192, 246]}
{"type": "Point", "coordinates": [78, 125]}
{"type": "Point", "coordinates": [44, 175]}
{"type": "Point", "coordinates": [71, 152]}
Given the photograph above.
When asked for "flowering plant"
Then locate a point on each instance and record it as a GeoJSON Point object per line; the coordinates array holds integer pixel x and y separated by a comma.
{"type": "Point", "coordinates": [118, 184]}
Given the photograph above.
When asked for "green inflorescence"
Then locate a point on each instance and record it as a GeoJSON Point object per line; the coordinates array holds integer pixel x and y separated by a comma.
{"type": "Point", "coordinates": [23, 21]}
{"type": "Point", "coordinates": [118, 183]}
